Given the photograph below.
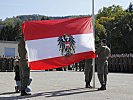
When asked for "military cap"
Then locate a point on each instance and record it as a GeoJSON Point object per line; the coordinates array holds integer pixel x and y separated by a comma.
{"type": "Point", "coordinates": [104, 41]}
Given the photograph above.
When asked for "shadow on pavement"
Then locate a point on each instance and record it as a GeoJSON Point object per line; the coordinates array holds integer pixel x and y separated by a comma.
{"type": "Point", "coordinates": [7, 93]}
{"type": "Point", "coordinates": [51, 93]}
{"type": "Point", "coordinates": [68, 92]}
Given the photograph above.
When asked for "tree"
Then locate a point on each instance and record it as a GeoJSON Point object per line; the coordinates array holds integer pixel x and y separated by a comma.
{"type": "Point", "coordinates": [45, 18]}
{"type": "Point", "coordinates": [16, 31]}
{"type": "Point", "coordinates": [111, 11]}
{"type": "Point", "coordinates": [10, 32]}
{"type": "Point", "coordinates": [115, 24]}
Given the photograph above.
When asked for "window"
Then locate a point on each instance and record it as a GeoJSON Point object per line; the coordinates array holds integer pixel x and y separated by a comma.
{"type": "Point", "coordinates": [10, 52]}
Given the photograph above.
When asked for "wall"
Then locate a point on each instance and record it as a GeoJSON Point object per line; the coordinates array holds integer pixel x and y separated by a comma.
{"type": "Point", "coordinates": [8, 44]}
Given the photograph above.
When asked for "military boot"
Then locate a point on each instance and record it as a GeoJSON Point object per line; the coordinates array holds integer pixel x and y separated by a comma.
{"type": "Point", "coordinates": [88, 85]}
{"type": "Point", "coordinates": [103, 87]}
{"type": "Point", "coordinates": [23, 93]}
{"type": "Point", "coordinates": [16, 89]}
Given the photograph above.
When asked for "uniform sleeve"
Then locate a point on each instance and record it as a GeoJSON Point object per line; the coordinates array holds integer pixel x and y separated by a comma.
{"type": "Point", "coordinates": [109, 52]}
{"type": "Point", "coordinates": [99, 50]}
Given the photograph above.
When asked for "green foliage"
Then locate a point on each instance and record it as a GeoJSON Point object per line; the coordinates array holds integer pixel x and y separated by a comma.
{"type": "Point", "coordinates": [10, 32]}
{"type": "Point", "coordinates": [123, 34]}
{"type": "Point", "coordinates": [115, 24]}
{"type": "Point", "coordinates": [45, 18]}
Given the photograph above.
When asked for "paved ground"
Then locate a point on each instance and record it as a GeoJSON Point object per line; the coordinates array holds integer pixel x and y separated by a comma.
{"type": "Point", "coordinates": [67, 86]}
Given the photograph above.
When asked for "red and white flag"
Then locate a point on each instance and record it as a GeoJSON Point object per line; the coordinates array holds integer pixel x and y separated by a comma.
{"type": "Point", "coordinates": [58, 43]}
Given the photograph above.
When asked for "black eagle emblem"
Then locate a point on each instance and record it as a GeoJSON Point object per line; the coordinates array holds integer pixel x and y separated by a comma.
{"type": "Point", "coordinates": [66, 45]}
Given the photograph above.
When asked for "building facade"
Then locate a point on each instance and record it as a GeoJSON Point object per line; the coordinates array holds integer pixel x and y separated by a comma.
{"type": "Point", "coordinates": [9, 48]}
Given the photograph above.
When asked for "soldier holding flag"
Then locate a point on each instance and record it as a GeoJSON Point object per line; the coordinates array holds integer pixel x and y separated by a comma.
{"type": "Point", "coordinates": [102, 65]}
{"type": "Point", "coordinates": [23, 66]}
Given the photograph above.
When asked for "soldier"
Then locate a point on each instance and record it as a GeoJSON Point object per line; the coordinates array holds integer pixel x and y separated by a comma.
{"type": "Point", "coordinates": [117, 64]}
{"type": "Point", "coordinates": [102, 65]}
{"type": "Point", "coordinates": [129, 63]}
{"type": "Point", "coordinates": [88, 72]}
{"type": "Point", "coordinates": [4, 63]}
{"type": "Point", "coordinates": [9, 63]}
{"type": "Point", "coordinates": [113, 62]}
{"type": "Point", "coordinates": [81, 65]}
{"type": "Point", "coordinates": [23, 66]}
{"type": "Point", "coordinates": [110, 63]}
{"type": "Point", "coordinates": [12, 63]}
{"type": "Point", "coordinates": [76, 66]}
{"type": "Point", "coordinates": [125, 63]}
{"type": "Point", "coordinates": [121, 63]}
{"type": "Point", "coordinates": [17, 78]}
{"type": "Point", "coordinates": [0, 63]}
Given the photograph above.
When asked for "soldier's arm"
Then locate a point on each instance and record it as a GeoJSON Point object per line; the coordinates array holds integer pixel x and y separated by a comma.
{"type": "Point", "coordinates": [108, 53]}
{"type": "Point", "coordinates": [98, 51]}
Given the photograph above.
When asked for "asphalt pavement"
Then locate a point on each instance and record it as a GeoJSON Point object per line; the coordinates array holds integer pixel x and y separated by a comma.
{"type": "Point", "coordinates": [67, 85]}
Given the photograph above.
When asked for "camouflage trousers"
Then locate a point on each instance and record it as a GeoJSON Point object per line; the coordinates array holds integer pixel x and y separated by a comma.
{"type": "Point", "coordinates": [88, 70]}
{"type": "Point", "coordinates": [24, 74]}
{"type": "Point", "coordinates": [102, 71]}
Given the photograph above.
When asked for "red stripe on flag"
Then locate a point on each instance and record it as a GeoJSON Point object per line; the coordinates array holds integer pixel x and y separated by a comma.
{"type": "Point", "coordinates": [54, 28]}
{"type": "Point", "coordinates": [60, 61]}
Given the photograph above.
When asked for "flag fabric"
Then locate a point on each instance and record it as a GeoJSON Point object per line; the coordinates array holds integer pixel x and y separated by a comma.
{"type": "Point", "coordinates": [58, 43]}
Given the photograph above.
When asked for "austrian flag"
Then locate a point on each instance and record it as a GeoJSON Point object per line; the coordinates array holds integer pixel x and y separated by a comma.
{"type": "Point", "coordinates": [58, 43]}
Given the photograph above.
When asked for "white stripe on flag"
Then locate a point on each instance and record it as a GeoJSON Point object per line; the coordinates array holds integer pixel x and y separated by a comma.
{"type": "Point", "coordinates": [48, 48]}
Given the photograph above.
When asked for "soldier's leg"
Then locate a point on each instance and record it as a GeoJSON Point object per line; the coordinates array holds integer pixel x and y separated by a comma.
{"type": "Point", "coordinates": [100, 71]}
{"type": "Point", "coordinates": [101, 79]}
{"type": "Point", "coordinates": [28, 89]}
{"type": "Point", "coordinates": [102, 82]}
{"type": "Point", "coordinates": [29, 82]}
{"type": "Point", "coordinates": [105, 79]}
{"type": "Point", "coordinates": [105, 72]}
{"type": "Point", "coordinates": [25, 80]}
{"type": "Point", "coordinates": [76, 66]}
{"type": "Point", "coordinates": [88, 73]}
{"type": "Point", "coordinates": [18, 83]}
{"type": "Point", "coordinates": [25, 76]}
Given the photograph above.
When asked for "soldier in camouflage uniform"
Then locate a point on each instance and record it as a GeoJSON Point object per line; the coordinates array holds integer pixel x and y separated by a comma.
{"type": "Point", "coordinates": [81, 65]}
{"type": "Point", "coordinates": [76, 66]}
{"type": "Point", "coordinates": [125, 63]}
{"type": "Point", "coordinates": [0, 63]}
{"type": "Point", "coordinates": [131, 55]}
{"type": "Point", "coordinates": [121, 63]}
{"type": "Point", "coordinates": [88, 72]}
{"type": "Point", "coordinates": [102, 64]}
{"type": "Point", "coordinates": [117, 63]}
{"type": "Point", "coordinates": [129, 63]}
{"type": "Point", "coordinates": [110, 63]}
{"type": "Point", "coordinates": [24, 69]}
{"type": "Point", "coordinates": [113, 62]}
{"type": "Point", "coordinates": [4, 64]}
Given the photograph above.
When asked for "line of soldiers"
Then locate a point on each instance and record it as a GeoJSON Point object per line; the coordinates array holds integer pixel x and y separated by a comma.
{"type": "Point", "coordinates": [7, 63]}
{"type": "Point", "coordinates": [121, 63]}
{"type": "Point", "coordinates": [116, 63]}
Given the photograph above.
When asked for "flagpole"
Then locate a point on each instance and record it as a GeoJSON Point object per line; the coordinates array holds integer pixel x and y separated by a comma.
{"type": "Point", "coordinates": [93, 23]}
